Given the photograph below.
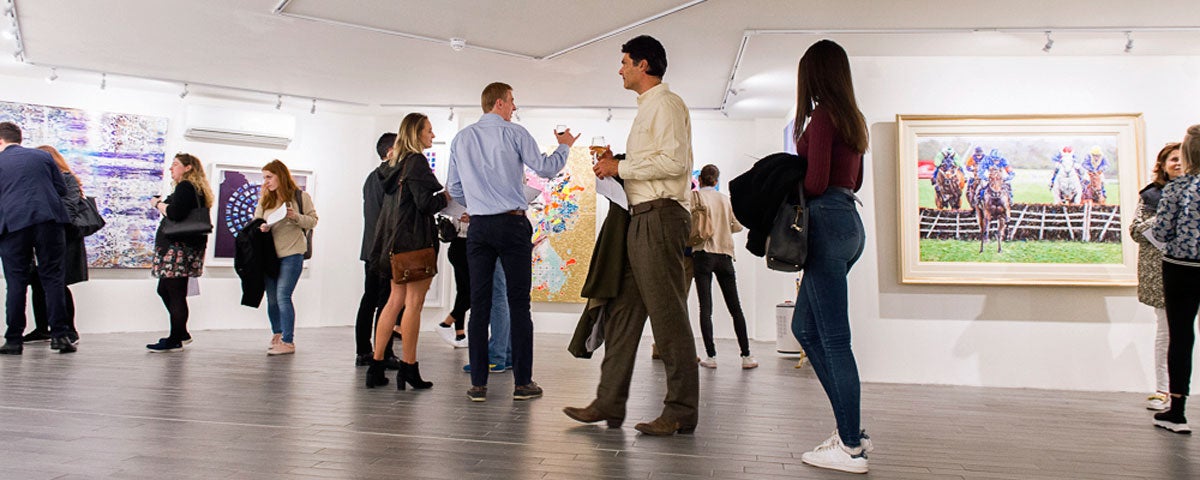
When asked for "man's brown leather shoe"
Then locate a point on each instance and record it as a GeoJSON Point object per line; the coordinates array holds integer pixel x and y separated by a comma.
{"type": "Point", "coordinates": [664, 427]}
{"type": "Point", "coordinates": [590, 415]}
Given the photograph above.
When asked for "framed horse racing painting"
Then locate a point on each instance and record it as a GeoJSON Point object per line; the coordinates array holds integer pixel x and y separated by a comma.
{"type": "Point", "coordinates": [1019, 200]}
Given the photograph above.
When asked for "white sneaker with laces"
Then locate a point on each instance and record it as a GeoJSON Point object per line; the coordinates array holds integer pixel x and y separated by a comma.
{"type": "Point", "coordinates": [446, 332]}
{"type": "Point", "coordinates": [837, 457]}
{"type": "Point", "coordinates": [749, 362]}
{"type": "Point", "coordinates": [1158, 402]}
{"type": "Point", "coordinates": [865, 441]}
{"type": "Point", "coordinates": [709, 362]}
{"type": "Point", "coordinates": [461, 343]}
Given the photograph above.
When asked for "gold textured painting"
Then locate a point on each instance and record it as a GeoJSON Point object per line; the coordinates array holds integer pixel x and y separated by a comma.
{"type": "Point", "coordinates": [564, 229]}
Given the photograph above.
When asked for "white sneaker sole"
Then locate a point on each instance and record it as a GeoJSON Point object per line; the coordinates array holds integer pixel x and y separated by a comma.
{"type": "Point", "coordinates": [1174, 427]}
{"type": "Point", "coordinates": [840, 468]}
{"type": "Point", "coordinates": [169, 350]}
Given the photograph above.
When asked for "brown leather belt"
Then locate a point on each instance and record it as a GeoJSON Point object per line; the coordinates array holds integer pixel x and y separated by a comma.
{"type": "Point", "coordinates": [651, 205]}
{"type": "Point", "coordinates": [514, 212]}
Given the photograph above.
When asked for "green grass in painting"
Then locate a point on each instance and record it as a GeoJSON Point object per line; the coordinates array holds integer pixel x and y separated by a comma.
{"type": "Point", "coordinates": [1020, 252]}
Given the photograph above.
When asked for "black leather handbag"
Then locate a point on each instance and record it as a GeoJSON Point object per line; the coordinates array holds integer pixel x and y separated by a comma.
{"type": "Point", "coordinates": [86, 216]}
{"type": "Point", "coordinates": [787, 244]}
{"type": "Point", "coordinates": [197, 222]}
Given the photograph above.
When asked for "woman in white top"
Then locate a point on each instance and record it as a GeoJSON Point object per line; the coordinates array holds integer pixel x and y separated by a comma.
{"type": "Point", "coordinates": [715, 257]}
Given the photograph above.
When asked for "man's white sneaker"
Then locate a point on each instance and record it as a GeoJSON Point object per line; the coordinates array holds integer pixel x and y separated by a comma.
{"type": "Point", "coordinates": [865, 441]}
{"type": "Point", "coordinates": [1158, 402]}
{"type": "Point", "coordinates": [709, 362]}
{"type": "Point", "coordinates": [749, 362]}
{"type": "Point", "coordinates": [446, 332]}
{"type": "Point", "coordinates": [837, 457]}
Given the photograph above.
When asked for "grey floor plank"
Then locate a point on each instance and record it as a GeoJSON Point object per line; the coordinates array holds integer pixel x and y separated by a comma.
{"type": "Point", "coordinates": [223, 409]}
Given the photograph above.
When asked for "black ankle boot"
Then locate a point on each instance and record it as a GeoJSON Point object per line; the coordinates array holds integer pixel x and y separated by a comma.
{"type": "Point", "coordinates": [410, 373]}
{"type": "Point", "coordinates": [376, 374]}
{"type": "Point", "coordinates": [1173, 419]}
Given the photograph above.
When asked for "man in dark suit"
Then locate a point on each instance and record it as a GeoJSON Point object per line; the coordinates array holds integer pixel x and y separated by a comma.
{"type": "Point", "coordinates": [32, 219]}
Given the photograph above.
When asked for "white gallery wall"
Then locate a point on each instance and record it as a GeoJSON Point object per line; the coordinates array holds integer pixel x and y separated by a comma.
{"type": "Point", "coordinates": [1040, 337]}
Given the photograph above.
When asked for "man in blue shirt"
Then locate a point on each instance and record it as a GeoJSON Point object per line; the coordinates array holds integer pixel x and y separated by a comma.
{"type": "Point", "coordinates": [32, 220]}
{"type": "Point", "coordinates": [487, 175]}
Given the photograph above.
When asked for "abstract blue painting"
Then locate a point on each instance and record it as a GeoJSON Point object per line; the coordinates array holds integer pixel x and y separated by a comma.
{"type": "Point", "coordinates": [119, 159]}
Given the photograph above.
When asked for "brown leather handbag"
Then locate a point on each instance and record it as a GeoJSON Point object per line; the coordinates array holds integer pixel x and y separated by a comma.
{"type": "Point", "coordinates": [414, 265]}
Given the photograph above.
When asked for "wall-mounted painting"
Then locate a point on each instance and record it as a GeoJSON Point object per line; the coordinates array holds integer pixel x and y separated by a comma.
{"type": "Point", "coordinates": [119, 159]}
{"type": "Point", "coordinates": [237, 190]}
{"type": "Point", "coordinates": [1018, 200]}
{"type": "Point", "coordinates": [564, 229]}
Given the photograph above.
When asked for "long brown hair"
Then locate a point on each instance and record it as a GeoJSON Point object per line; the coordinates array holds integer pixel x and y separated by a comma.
{"type": "Point", "coordinates": [823, 77]}
{"type": "Point", "coordinates": [284, 192]}
{"type": "Point", "coordinates": [1160, 165]}
{"type": "Point", "coordinates": [58, 158]}
{"type": "Point", "coordinates": [196, 176]}
{"type": "Point", "coordinates": [408, 138]}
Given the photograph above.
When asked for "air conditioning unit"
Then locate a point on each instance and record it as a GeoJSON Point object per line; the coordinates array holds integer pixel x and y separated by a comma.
{"type": "Point", "coordinates": [259, 129]}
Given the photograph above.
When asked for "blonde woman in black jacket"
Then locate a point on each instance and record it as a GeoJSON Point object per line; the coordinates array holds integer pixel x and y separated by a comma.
{"type": "Point", "coordinates": [405, 224]}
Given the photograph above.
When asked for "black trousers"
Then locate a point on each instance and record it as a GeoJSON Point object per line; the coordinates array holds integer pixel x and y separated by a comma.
{"type": "Point", "coordinates": [173, 292]}
{"type": "Point", "coordinates": [507, 237]}
{"type": "Point", "coordinates": [706, 266]}
{"type": "Point", "coordinates": [41, 321]}
{"type": "Point", "coordinates": [1181, 290]}
{"type": "Point", "coordinates": [46, 240]}
{"type": "Point", "coordinates": [462, 281]}
{"type": "Point", "coordinates": [375, 295]}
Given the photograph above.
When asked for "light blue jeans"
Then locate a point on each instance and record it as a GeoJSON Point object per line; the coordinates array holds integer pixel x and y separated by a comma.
{"type": "Point", "coordinates": [821, 321]}
{"type": "Point", "coordinates": [279, 296]}
{"type": "Point", "coordinates": [500, 344]}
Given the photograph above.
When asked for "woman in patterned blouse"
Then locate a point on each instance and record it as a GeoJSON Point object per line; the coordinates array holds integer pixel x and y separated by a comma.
{"type": "Point", "coordinates": [1178, 227]}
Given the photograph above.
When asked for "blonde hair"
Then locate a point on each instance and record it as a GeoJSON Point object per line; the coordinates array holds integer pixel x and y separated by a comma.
{"type": "Point", "coordinates": [1190, 150]}
{"type": "Point", "coordinates": [195, 176]}
{"type": "Point", "coordinates": [286, 190]}
{"type": "Point", "coordinates": [408, 138]}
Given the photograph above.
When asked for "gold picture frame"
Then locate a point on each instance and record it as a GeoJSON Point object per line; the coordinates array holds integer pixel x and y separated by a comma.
{"type": "Point", "coordinates": [1071, 183]}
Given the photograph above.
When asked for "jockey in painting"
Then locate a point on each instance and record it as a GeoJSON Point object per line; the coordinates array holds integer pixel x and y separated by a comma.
{"type": "Point", "coordinates": [994, 160]}
{"type": "Point", "coordinates": [1096, 163]}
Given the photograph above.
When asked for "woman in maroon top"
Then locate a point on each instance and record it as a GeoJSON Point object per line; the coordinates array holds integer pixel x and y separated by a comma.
{"type": "Point", "coordinates": [833, 141]}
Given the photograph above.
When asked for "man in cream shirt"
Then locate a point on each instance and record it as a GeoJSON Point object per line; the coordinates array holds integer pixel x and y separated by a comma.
{"type": "Point", "coordinates": [656, 173]}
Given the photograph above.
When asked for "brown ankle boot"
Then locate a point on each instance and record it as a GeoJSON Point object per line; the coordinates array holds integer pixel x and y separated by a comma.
{"type": "Point", "coordinates": [591, 415]}
{"type": "Point", "coordinates": [663, 426]}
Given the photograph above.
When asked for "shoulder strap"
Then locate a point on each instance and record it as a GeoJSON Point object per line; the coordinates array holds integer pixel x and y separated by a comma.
{"type": "Point", "coordinates": [299, 201]}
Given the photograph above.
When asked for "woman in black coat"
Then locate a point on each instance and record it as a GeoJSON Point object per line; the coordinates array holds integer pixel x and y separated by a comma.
{"type": "Point", "coordinates": [75, 263]}
{"type": "Point", "coordinates": [406, 223]}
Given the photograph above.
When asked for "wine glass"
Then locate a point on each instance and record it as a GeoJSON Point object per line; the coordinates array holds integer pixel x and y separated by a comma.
{"type": "Point", "coordinates": [560, 129]}
{"type": "Point", "coordinates": [598, 147]}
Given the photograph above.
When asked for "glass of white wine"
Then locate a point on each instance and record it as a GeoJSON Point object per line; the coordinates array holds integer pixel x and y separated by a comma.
{"type": "Point", "coordinates": [598, 147]}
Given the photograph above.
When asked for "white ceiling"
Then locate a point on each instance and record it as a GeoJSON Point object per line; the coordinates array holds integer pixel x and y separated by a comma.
{"type": "Point", "coordinates": [244, 44]}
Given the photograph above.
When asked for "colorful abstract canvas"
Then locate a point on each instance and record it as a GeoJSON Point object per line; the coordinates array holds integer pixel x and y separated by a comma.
{"type": "Point", "coordinates": [119, 158]}
{"type": "Point", "coordinates": [564, 229]}
{"type": "Point", "coordinates": [237, 195]}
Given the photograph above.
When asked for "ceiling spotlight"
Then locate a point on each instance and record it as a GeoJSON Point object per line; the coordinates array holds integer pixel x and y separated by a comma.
{"type": "Point", "coordinates": [53, 75]}
{"type": "Point", "coordinates": [609, 119]}
{"type": "Point", "coordinates": [1128, 42]}
{"type": "Point", "coordinates": [516, 115]}
{"type": "Point", "coordinates": [1049, 43]}
{"type": "Point", "coordinates": [185, 92]}
{"type": "Point", "coordinates": [103, 81]}
{"type": "Point", "coordinates": [313, 110]}
{"type": "Point", "coordinates": [733, 92]}
{"type": "Point", "coordinates": [458, 44]}
{"type": "Point", "coordinates": [451, 118]}
{"type": "Point", "coordinates": [19, 56]}
{"type": "Point", "coordinates": [278, 102]}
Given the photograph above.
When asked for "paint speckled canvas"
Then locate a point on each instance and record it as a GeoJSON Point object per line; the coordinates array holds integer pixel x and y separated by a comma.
{"type": "Point", "coordinates": [564, 229]}
{"type": "Point", "coordinates": [119, 159]}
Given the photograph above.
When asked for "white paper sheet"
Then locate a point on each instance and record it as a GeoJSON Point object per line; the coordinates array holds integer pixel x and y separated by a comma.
{"type": "Point", "coordinates": [612, 190]}
{"type": "Point", "coordinates": [531, 193]}
{"type": "Point", "coordinates": [275, 216]}
{"type": "Point", "coordinates": [453, 210]}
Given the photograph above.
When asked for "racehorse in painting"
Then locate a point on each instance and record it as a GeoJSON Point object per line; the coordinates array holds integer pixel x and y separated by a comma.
{"type": "Point", "coordinates": [948, 187]}
{"type": "Point", "coordinates": [1093, 191]}
{"type": "Point", "coordinates": [994, 204]}
{"type": "Point", "coordinates": [1066, 186]}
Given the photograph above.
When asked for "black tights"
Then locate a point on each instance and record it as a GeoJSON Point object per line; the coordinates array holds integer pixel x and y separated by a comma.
{"type": "Point", "coordinates": [174, 296]}
{"type": "Point", "coordinates": [462, 281]}
{"type": "Point", "coordinates": [1181, 290]}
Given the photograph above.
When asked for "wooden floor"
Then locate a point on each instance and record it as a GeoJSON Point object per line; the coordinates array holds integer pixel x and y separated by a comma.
{"type": "Point", "coordinates": [223, 409]}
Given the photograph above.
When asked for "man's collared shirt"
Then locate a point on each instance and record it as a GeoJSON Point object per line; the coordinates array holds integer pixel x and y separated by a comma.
{"type": "Point", "coordinates": [487, 160]}
{"type": "Point", "coordinates": [658, 161]}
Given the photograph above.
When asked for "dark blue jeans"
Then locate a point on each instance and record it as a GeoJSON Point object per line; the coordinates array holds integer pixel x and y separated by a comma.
{"type": "Point", "coordinates": [822, 321]}
{"type": "Point", "coordinates": [508, 238]}
{"type": "Point", "coordinates": [280, 309]}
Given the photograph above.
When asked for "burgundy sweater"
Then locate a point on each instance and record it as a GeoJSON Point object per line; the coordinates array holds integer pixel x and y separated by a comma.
{"type": "Point", "coordinates": [831, 162]}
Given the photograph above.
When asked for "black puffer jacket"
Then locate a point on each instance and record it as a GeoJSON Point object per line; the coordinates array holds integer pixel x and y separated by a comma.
{"type": "Point", "coordinates": [411, 198]}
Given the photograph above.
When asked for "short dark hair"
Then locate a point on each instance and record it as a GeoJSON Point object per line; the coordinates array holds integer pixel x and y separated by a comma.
{"type": "Point", "coordinates": [645, 47]}
{"type": "Point", "coordinates": [384, 144]}
{"type": "Point", "coordinates": [709, 175]}
{"type": "Point", "coordinates": [494, 91]}
{"type": "Point", "coordinates": [10, 132]}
